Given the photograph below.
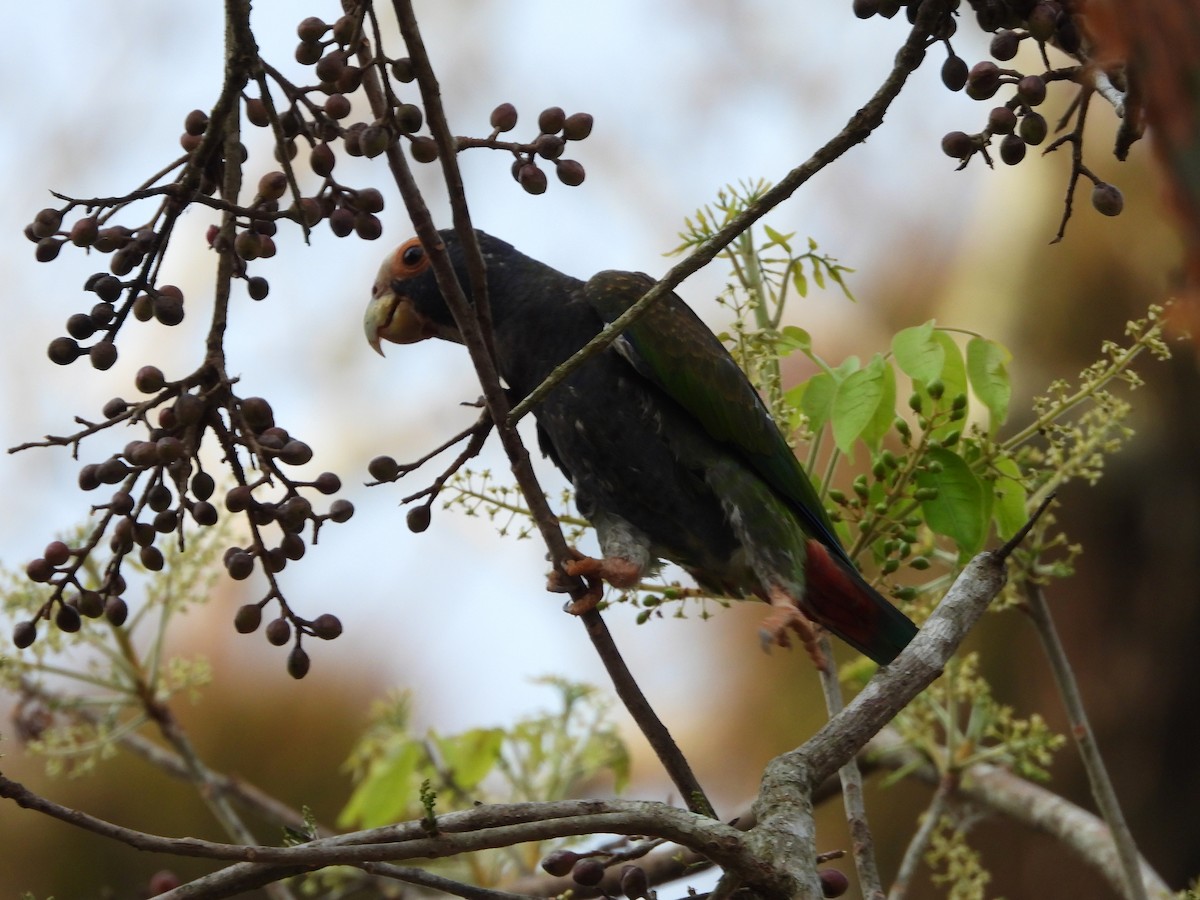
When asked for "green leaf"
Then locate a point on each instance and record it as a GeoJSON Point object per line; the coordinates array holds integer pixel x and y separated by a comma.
{"type": "Point", "coordinates": [814, 398]}
{"type": "Point", "coordinates": [987, 368]}
{"type": "Point", "coordinates": [792, 338]}
{"type": "Point", "coordinates": [777, 238]}
{"type": "Point", "coordinates": [885, 410]}
{"type": "Point", "coordinates": [799, 282]}
{"type": "Point", "coordinates": [918, 355]}
{"type": "Point", "coordinates": [470, 756]}
{"type": "Point", "coordinates": [388, 791]}
{"type": "Point", "coordinates": [959, 511]}
{"type": "Point", "coordinates": [1008, 510]}
{"type": "Point", "coordinates": [856, 401]}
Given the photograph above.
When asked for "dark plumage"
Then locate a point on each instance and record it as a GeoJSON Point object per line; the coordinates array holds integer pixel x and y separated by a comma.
{"type": "Point", "coordinates": [671, 452]}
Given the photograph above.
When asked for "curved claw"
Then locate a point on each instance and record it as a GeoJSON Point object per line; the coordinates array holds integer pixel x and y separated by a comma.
{"type": "Point", "coordinates": [785, 616]}
{"type": "Point", "coordinates": [619, 572]}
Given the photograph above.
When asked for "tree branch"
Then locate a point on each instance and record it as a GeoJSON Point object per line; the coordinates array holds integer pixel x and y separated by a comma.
{"type": "Point", "coordinates": [856, 131]}
{"type": "Point", "coordinates": [1085, 739]}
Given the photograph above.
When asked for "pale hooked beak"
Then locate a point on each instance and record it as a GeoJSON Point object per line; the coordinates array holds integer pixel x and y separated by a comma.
{"type": "Point", "coordinates": [390, 317]}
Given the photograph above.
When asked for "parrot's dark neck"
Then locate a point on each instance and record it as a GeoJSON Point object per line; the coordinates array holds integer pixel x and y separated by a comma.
{"type": "Point", "coordinates": [539, 319]}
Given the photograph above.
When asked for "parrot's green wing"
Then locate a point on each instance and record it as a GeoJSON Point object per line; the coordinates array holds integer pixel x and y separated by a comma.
{"type": "Point", "coordinates": [673, 348]}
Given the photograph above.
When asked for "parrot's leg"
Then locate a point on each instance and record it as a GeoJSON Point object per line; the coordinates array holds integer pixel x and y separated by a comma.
{"type": "Point", "coordinates": [620, 573]}
{"type": "Point", "coordinates": [786, 616]}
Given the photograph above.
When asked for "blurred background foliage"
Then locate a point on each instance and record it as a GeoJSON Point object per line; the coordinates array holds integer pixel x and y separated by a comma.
{"type": "Point", "coordinates": [705, 92]}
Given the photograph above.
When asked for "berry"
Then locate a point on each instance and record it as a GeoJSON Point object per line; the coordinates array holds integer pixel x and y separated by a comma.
{"type": "Point", "coordinates": [1107, 199]}
{"type": "Point", "coordinates": [423, 149]}
{"type": "Point", "coordinates": [298, 663]}
{"type": "Point", "coordinates": [84, 232]}
{"type": "Point", "coordinates": [560, 863]}
{"type": "Point", "coordinates": [149, 379]}
{"type": "Point", "coordinates": [634, 883]}
{"type": "Point", "coordinates": [402, 70]}
{"type": "Point", "coordinates": [958, 145]}
{"type": "Point", "coordinates": [81, 326]}
{"type": "Point", "coordinates": [833, 882]}
{"type": "Point", "coordinates": [1002, 120]}
{"type": "Point", "coordinates": [204, 513]}
{"type": "Point", "coordinates": [983, 80]}
{"type": "Point", "coordinates": [418, 519]}
{"type": "Point", "coordinates": [1032, 129]}
{"type": "Point", "coordinates": [1032, 89]}
{"type": "Point", "coordinates": [116, 611]}
{"type": "Point", "coordinates": [257, 287]}
{"type": "Point", "coordinates": [311, 29]}
{"type": "Point", "coordinates": [532, 179]}
{"type": "Point", "coordinates": [57, 553]}
{"type": "Point", "coordinates": [258, 414]}
{"type": "Point", "coordinates": [47, 249]}
{"type": "Point", "coordinates": [383, 468]}
{"type": "Point", "coordinates": [341, 221]}
{"type": "Point", "coordinates": [239, 566]}
{"type": "Point", "coordinates": [368, 227]}
{"type": "Point", "coordinates": [341, 510]}
{"type": "Point", "coordinates": [279, 632]}
{"type": "Point", "coordinates": [39, 570]}
{"type": "Point", "coordinates": [551, 120]}
{"type": "Point", "coordinates": [47, 222]}
{"type": "Point", "coordinates": [569, 172]}
{"type": "Point", "coordinates": [91, 604]}
{"type": "Point", "coordinates": [1005, 45]}
{"type": "Point", "coordinates": [408, 118]}
{"type": "Point", "coordinates": [1012, 149]}
{"type": "Point", "coordinates": [321, 160]}
{"type": "Point", "coordinates": [63, 351]}
{"type": "Point", "coordinates": [247, 618]}
{"type": "Point", "coordinates": [588, 872]}
{"type": "Point", "coordinates": [327, 626]}
{"type": "Point", "coordinates": [195, 122]}
{"type": "Point", "coordinates": [24, 634]}
{"type": "Point", "coordinates": [328, 483]}
{"type": "Point", "coordinates": [577, 126]}
{"type": "Point", "coordinates": [369, 200]}
{"type": "Point", "coordinates": [954, 73]}
{"type": "Point", "coordinates": [503, 118]}
{"type": "Point", "coordinates": [549, 146]}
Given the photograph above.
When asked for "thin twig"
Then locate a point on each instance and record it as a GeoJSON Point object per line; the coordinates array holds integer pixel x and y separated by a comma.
{"type": "Point", "coordinates": [1103, 791]}
{"type": "Point", "coordinates": [863, 842]}
{"type": "Point", "coordinates": [656, 733]}
{"type": "Point", "coordinates": [920, 839]}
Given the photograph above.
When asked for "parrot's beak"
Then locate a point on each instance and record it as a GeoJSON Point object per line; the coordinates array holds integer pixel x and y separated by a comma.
{"type": "Point", "coordinates": [391, 317]}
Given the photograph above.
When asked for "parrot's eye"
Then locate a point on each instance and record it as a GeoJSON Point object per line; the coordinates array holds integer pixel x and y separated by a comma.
{"type": "Point", "coordinates": [410, 260]}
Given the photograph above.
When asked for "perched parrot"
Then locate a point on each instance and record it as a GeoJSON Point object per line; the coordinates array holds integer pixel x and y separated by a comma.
{"type": "Point", "coordinates": [671, 451]}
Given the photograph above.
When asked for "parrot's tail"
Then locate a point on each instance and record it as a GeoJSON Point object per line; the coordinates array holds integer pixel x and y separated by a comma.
{"type": "Point", "coordinates": [838, 597]}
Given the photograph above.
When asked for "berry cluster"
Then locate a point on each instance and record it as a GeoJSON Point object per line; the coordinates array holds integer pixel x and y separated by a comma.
{"type": "Point", "coordinates": [1016, 124]}
{"type": "Point", "coordinates": [160, 490]}
{"type": "Point", "coordinates": [588, 870]}
{"type": "Point", "coordinates": [555, 128]}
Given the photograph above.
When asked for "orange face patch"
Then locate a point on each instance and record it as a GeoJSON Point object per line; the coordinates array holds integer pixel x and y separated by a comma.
{"type": "Point", "coordinates": [409, 260]}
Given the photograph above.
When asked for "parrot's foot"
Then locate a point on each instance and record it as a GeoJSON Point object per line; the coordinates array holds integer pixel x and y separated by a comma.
{"type": "Point", "coordinates": [785, 617]}
{"type": "Point", "coordinates": [619, 572]}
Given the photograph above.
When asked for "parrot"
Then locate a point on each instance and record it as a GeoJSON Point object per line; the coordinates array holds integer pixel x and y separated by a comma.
{"type": "Point", "coordinates": [670, 450]}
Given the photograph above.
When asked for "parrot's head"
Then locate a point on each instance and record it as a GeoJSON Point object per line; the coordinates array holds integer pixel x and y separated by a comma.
{"type": "Point", "coordinates": [406, 305]}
